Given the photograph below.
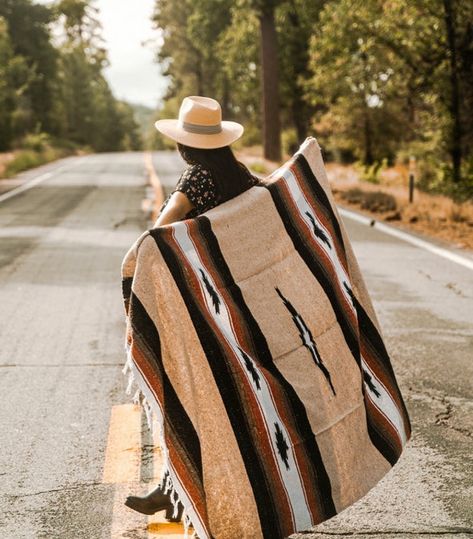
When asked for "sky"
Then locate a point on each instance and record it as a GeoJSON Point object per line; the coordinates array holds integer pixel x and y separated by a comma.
{"type": "Point", "coordinates": [132, 74]}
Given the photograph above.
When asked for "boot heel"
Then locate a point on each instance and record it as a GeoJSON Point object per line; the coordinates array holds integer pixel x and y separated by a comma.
{"type": "Point", "coordinates": [170, 510]}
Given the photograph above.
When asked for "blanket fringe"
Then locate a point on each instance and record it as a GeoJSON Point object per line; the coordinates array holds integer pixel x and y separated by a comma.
{"type": "Point", "coordinates": [156, 427]}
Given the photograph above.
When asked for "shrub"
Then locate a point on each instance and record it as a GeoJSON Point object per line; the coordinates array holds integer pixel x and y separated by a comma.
{"type": "Point", "coordinates": [36, 142]}
{"type": "Point", "coordinates": [251, 137]}
{"type": "Point", "coordinates": [436, 177]}
{"type": "Point", "coordinates": [24, 160]}
{"type": "Point", "coordinates": [290, 143]}
{"type": "Point", "coordinates": [378, 201]}
{"type": "Point", "coordinates": [354, 195]}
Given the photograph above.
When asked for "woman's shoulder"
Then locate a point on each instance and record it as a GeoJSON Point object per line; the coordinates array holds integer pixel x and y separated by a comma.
{"type": "Point", "coordinates": [254, 180]}
{"type": "Point", "coordinates": [195, 170]}
{"type": "Point", "coordinates": [195, 179]}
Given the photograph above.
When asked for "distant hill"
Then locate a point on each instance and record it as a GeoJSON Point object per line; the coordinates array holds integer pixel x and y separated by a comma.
{"type": "Point", "coordinates": [144, 117]}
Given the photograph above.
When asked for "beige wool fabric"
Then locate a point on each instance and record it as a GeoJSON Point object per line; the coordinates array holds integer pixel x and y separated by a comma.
{"type": "Point", "coordinates": [257, 354]}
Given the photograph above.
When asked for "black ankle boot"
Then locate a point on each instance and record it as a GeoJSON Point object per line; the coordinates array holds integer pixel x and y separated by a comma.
{"type": "Point", "coordinates": [155, 501]}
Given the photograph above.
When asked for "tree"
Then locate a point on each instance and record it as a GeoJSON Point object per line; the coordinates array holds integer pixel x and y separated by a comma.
{"type": "Point", "coordinates": [92, 114]}
{"type": "Point", "coordinates": [269, 60]}
{"type": "Point", "coordinates": [29, 35]}
{"type": "Point", "coordinates": [295, 23]}
{"type": "Point", "coordinates": [10, 86]}
{"type": "Point", "coordinates": [426, 45]}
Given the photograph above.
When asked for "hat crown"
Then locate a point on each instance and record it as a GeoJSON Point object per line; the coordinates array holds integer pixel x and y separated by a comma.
{"type": "Point", "coordinates": [200, 110]}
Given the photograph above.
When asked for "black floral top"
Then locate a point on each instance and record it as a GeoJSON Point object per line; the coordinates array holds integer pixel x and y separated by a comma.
{"type": "Point", "coordinates": [197, 183]}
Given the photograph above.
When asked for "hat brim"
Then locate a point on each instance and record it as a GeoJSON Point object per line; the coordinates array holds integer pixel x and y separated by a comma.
{"type": "Point", "coordinates": [231, 131]}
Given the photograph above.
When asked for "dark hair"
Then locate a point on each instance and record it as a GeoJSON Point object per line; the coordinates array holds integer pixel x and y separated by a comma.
{"type": "Point", "coordinates": [230, 175]}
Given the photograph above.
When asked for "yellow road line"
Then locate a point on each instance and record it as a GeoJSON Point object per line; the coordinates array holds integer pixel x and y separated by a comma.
{"type": "Point", "coordinates": [156, 184]}
{"type": "Point", "coordinates": [158, 457]}
{"type": "Point", "coordinates": [122, 467]}
{"type": "Point", "coordinates": [123, 453]}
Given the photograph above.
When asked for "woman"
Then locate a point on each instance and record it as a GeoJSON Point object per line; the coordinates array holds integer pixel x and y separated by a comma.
{"type": "Point", "coordinates": [213, 175]}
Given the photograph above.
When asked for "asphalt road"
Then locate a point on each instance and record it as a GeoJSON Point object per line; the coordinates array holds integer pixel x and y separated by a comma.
{"type": "Point", "coordinates": [62, 330]}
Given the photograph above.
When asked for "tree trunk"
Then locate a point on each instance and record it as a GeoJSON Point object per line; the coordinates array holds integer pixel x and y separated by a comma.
{"type": "Point", "coordinates": [225, 97]}
{"type": "Point", "coordinates": [299, 52]}
{"type": "Point", "coordinates": [369, 158]}
{"type": "Point", "coordinates": [270, 86]}
{"type": "Point", "coordinates": [299, 117]}
{"type": "Point", "coordinates": [199, 80]}
{"type": "Point", "coordinates": [456, 132]}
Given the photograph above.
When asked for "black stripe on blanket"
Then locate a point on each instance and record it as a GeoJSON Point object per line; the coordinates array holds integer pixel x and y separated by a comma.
{"type": "Point", "coordinates": [316, 268]}
{"type": "Point", "coordinates": [321, 196]}
{"type": "Point", "coordinates": [370, 334]}
{"type": "Point", "coordinates": [126, 291]}
{"type": "Point", "coordinates": [176, 417]}
{"type": "Point", "coordinates": [263, 355]}
{"type": "Point", "coordinates": [214, 351]}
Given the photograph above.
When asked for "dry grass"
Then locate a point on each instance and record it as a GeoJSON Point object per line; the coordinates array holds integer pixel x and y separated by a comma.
{"type": "Point", "coordinates": [433, 215]}
{"type": "Point", "coordinates": [5, 158]}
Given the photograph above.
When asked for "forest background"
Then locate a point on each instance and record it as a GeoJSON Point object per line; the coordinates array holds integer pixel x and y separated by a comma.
{"type": "Point", "coordinates": [378, 82]}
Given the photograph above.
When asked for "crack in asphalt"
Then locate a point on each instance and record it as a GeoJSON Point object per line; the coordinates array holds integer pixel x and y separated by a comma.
{"type": "Point", "coordinates": [443, 418]}
{"type": "Point", "coordinates": [453, 286]}
{"type": "Point", "coordinates": [450, 285]}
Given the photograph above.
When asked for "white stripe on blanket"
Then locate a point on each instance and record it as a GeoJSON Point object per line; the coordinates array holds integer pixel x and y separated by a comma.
{"type": "Point", "coordinates": [291, 477]}
{"type": "Point", "coordinates": [303, 206]}
{"type": "Point", "coordinates": [385, 403]}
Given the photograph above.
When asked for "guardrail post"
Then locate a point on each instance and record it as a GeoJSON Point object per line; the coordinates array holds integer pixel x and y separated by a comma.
{"type": "Point", "coordinates": [412, 173]}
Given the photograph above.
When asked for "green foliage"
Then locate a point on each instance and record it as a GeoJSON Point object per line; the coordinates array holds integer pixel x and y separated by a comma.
{"type": "Point", "coordinates": [290, 141]}
{"type": "Point", "coordinates": [26, 159]}
{"type": "Point", "coordinates": [371, 173]}
{"type": "Point", "coordinates": [384, 80]}
{"type": "Point", "coordinates": [251, 136]}
{"type": "Point", "coordinates": [15, 78]}
{"type": "Point", "coordinates": [436, 176]}
{"type": "Point", "coordinates": [57, 91]}
{"type": "Point", "coordinates": [259, 167]}
{"type": "Point", "coordinates": [36, 142]}
{"type": "Point", "coordinates": [143, 116]}
{"type": "Point", "coordinates": [34, 86]}
{"type": "Point", "coordinates": [375, 82]}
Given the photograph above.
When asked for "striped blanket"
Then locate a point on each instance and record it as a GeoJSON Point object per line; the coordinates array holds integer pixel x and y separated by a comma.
{"type": "Point", "coordinates": [257, 355]}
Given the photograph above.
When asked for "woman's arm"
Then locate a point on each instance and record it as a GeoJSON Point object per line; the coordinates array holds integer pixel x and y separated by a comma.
{"type": "Point", "coordinates": [177, 207]}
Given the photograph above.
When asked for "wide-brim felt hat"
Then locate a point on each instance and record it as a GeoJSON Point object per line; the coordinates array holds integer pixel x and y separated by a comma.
{"type": "Point", "coordinates": [200, 124]}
